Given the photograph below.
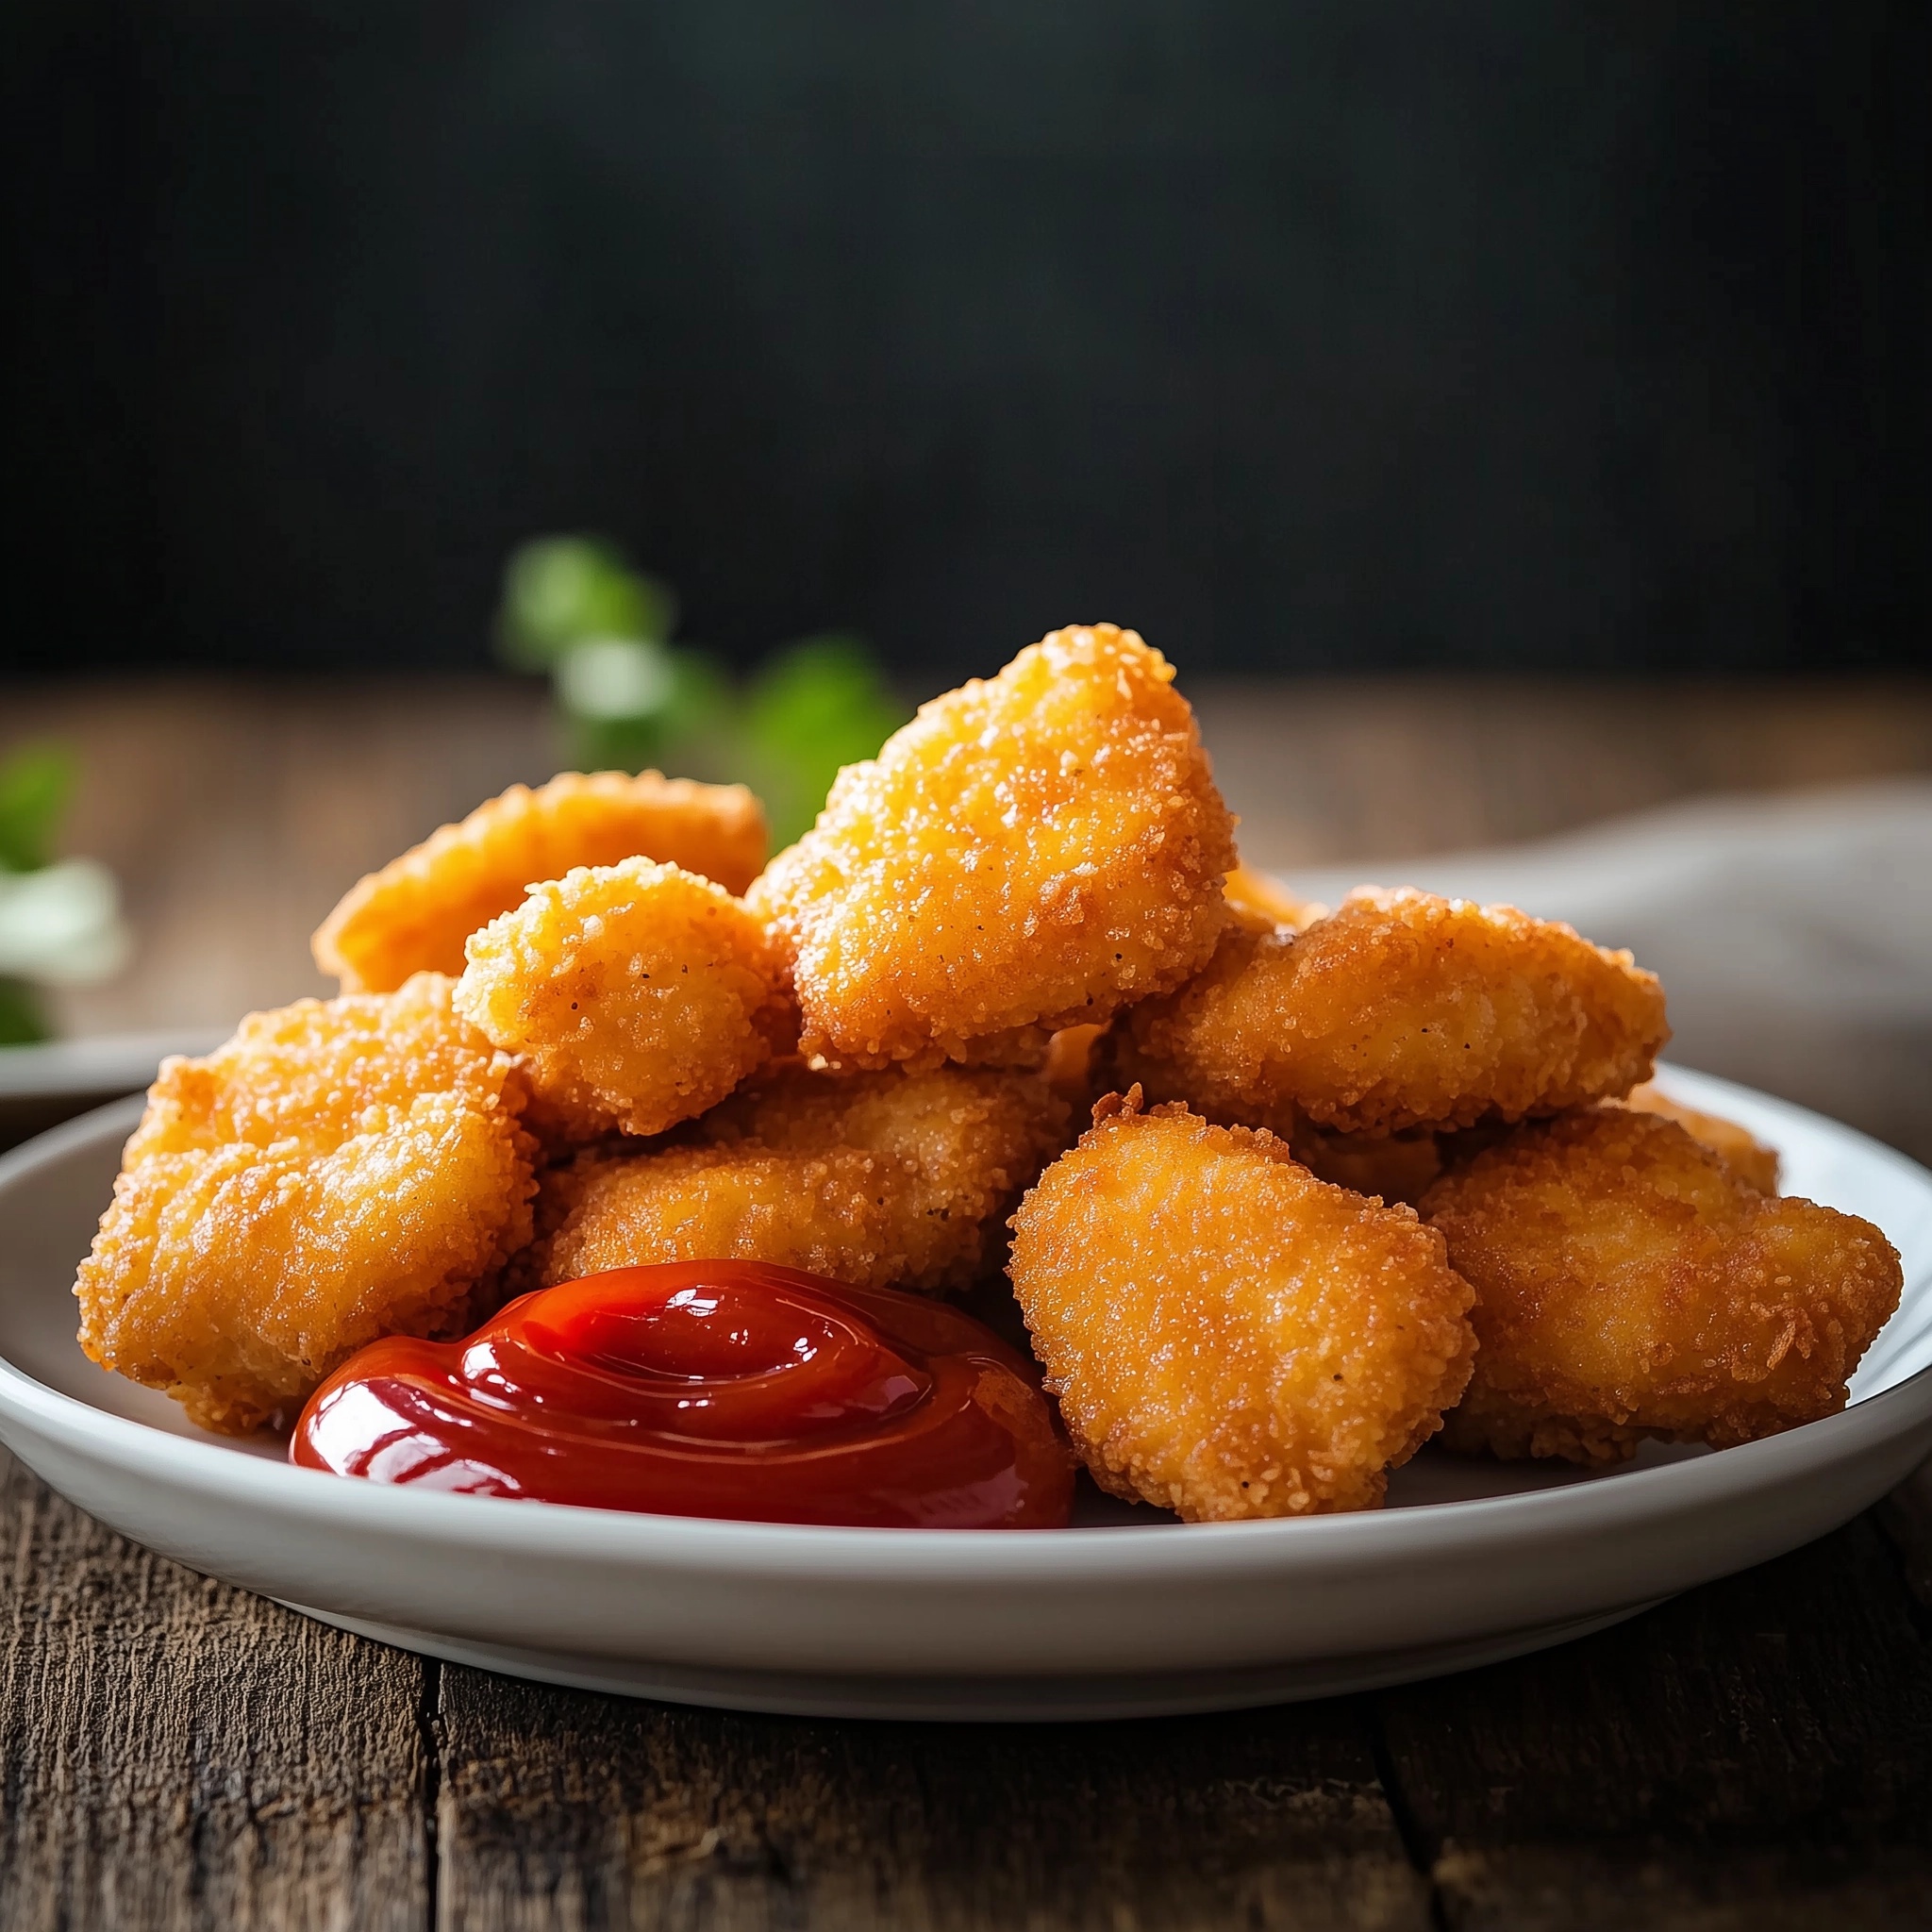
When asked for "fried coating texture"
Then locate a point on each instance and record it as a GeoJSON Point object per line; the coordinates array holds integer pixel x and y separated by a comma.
{"type": "Point", "coordinates": [1628, 1284]}
{"type": "Point", "coordinates": [1025, 855]}
{"type": "Point", "coordinates": [1227, 1336]}
{"type": "Point", "coordinates": [337, 1171]}
{"type": "Point", "coordinates": [414, 914]}
{"type": "Point", "coordinates": [827, 1212]}
{"type": "Point", "coordinates": [636, 995]}
{"type": "Point", "coordinates": [881, 1179]}
{"type": "Point", "coordinates": [1738, 1148]}
{"type": "Point", "coordinates": [1399, 1009]}
{"type": "Point", "coordinates": [968, 1142]}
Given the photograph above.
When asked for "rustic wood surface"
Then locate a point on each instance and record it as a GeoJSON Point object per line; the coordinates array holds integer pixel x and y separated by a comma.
{"type": "Point", "coordinates": [174, 1753]}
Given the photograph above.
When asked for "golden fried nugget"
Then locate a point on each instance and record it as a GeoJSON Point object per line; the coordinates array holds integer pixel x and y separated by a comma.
{"type": "Point", "coordinates": [882, 1179]}
{"type": "Point", "coordinates": [833, 1212]}
{"type": "Point", "coordinates": [613, 1208]}
{"type": "Point", "coordinates": [886, 1179]}
{"type": "Point", "coordinates": [966, 1141]}
{"type": "Point", "coordinates": [1229, 1336]}
{"type": "Point", "coordinates": [1400, 1009]}
{"type": "Point", "coordinates": [414, 914]}
{"type": "Point", "coordinates": [339, 1170]}
{"type": "Point", "coordinates": [1259, 902]}
{"type": "Point", "coordinates": [636, 995]}
{"type": "Point", "coordinates": [1628, 1284]}
{"type": "Point", "coordinates": [1027, 854]}
{"type": "Point", "coordinates": [1738, 1148]}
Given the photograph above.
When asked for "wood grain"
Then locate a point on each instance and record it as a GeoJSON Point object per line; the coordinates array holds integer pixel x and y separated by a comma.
{"type": "Point", "coordinates": [1339, 770]}
{"type": "Point", "coordinates": [1756, 1753]}
{"type": "Point", "coordinates": [176, 1754]}
{"type": "Point", "coordinates": [561, 1808]}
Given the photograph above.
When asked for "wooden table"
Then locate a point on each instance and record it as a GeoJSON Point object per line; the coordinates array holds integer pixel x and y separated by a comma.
{"type": "Point", "coordinates": [174, 1753]}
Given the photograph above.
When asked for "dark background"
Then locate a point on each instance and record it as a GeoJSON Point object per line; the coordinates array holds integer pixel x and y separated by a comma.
{"type": "Point", "coordinates": [1332, 336]}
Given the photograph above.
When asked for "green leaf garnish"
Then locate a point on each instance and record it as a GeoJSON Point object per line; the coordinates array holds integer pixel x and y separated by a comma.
{"type": "Point", "coordinates": [562, 591]}
{"type": "Point", "coordinates": [631, 699]}
{"type": "Point", "coordinates": [35, 785]}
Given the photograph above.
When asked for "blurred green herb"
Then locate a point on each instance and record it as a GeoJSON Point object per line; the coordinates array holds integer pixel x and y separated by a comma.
{"type": "Point", "coordinates": [36, 783]}
{"type": "Point", "coordinates": [809, 711]}
{"type": "Point", "coordinates": [560, 591]}
{"type": "Point", "coordinates": [22, 1019]}
{"type": "Point", "coordinates": [631, 698]}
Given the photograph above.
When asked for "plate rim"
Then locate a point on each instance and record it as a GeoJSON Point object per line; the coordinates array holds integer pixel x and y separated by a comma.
{"type": "Point", "coordinates": [755, 1550]}
{"type": "Point", "coordinates": [95, 1064]}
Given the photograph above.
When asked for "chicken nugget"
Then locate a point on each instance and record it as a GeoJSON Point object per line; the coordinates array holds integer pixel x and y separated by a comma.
{"type": "Point", "coordinates": [1738, 1148]}
{"type": "Point", "coordinates": [636, 995]}
{"type": "Point", "coordinates": [881, 1179]}
{"type": "Point", "coordinates": [339, 1170]}
{"type": "Point", "coordinates": [1628, 1284]}
{"type": "Point", "coordinates": [831, 1212]}
{"type": "Point", "coordinates": [414, 914]}
{"type": "Point", "coordinates": [1400, 1009]}
{"type": "Point", "coordinates": [1027, 854]}
{"type": "Point", "coordinates": [965, 1142]}
{"type": "Point", "coordinates": [1227, 1336]}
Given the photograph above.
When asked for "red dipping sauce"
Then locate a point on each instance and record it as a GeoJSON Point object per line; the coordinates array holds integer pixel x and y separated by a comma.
{"type": "Point", "coordinates": [709, 1389]}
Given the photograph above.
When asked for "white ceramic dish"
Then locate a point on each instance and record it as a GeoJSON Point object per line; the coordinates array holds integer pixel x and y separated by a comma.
{"type": "Point", "coordinates": [104, 1063]}
{"type": "Point", "coordinates": [1131, 1614]}
{"type": "Point", "coordinates": [41, 1085]}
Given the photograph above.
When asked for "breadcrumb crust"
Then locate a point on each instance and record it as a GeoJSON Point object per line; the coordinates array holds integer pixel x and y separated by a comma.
{"type": "Point", "coordinates": [1629, 1284]}
{"type": "Point", "coordinates": [636, 995]}
{"type": "Point", "coordinates": [1227, 1336]}
{"type": "Point", "coordinates": [1741, 1149]}
{"type": "Point", "coordinates": [414, 914]}
{"type": "Point", "coordinates": [1400, 1009]}
{"type": "Point", "coordinates": [1028, 854]}
{"type": "Point", "coordinates": [881, 1179]}
{"type": "Point", "coordinates": [339, 1170]}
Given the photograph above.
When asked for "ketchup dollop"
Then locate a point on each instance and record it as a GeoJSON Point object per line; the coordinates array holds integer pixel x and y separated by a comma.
{"type": "Point", "coordinates": [708, 1388]}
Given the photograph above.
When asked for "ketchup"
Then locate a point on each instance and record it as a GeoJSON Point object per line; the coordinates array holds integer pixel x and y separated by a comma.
{"type": "Point", "coordinates": [708, 1388]}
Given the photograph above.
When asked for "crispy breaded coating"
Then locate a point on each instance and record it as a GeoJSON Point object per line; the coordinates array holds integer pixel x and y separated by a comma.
{"type": "Point", "coordinates": [1628, 1284]}
{"type": "Point", "coordinates": [1227, 1336]}
{"type": "Point", "coordinates": [339, 1170]}
{"type": "Point", "coordinates": [1027, 854]}
{"type": "Point", "coordinates": [1738, 1148]}
{"type": "Point", "coordinates": [970, 1141]}
{"type": "Point", "coordinates": [414, 914]}
{"type": "Point", "coordinates": [636, 995]}
{"type": "Point", "coordinates": [1400, 1009]}
{"type": "Point", "coordinates": [882, 1179]}
{"type": "Point", "coordinates": [1257, 901]}
{"type": "Point", "coordinates": [827, 1212]}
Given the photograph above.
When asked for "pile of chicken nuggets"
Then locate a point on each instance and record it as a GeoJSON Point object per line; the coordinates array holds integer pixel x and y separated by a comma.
{"type": "Point", "coordinates": [1347, 1178]}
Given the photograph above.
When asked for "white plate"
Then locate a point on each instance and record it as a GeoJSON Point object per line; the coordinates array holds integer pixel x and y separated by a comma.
{"type": "Point", "coordinates": [103, 1063]}
{"type": "Point", "coordinates": [1132, 1614]}
{"type": "Point", "coordinates": [48, 1083]}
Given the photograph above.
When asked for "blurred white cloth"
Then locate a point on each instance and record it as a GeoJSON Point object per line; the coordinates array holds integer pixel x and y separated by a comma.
{"type": "Point", "coordinates": [1793, 933]}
